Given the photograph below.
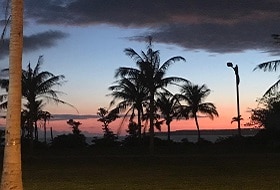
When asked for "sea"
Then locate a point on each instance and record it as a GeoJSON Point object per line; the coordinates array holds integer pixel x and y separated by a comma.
{"type": "Point", "coordinates": [191, 135]}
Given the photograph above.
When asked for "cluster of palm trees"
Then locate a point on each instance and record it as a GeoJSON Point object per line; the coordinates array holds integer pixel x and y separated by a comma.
{"type": "Point", "coordinates": [37, 90]}
{"type": "Point", "coordinates": [144, 90]}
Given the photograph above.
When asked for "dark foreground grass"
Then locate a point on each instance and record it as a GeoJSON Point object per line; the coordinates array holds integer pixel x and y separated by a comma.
{"type": "Point", "coordinates": [195, 171]}
{"type": "Point", "coordinates": [193, 168]}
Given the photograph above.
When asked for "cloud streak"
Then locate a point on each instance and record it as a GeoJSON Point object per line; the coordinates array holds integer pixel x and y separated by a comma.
{"type": "Point", "coordinates": [33, 42]}
{"type": "Point", "coordinates": [59, 117]}
{"type": "Point", "coordinates": [214, 26]}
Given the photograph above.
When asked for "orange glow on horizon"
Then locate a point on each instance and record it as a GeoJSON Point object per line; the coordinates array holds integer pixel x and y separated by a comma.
{"type": "Point", "coordinates": [91, 127]}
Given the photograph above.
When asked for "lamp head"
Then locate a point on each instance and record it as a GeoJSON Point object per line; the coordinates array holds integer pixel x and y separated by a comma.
{"type": "Point", "coordinates": [229, 64]}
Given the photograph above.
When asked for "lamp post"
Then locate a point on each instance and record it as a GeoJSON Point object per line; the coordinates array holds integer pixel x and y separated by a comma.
{"type": "Point", "coordinates": [235, 68]}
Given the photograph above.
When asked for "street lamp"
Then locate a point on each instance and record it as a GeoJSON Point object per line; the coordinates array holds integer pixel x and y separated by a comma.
{"type": "Point", "coordinates": [229, 64]}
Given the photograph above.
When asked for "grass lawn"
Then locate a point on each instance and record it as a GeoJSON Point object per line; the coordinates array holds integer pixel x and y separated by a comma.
{"type": "Point", "coordinates": [193, 171]}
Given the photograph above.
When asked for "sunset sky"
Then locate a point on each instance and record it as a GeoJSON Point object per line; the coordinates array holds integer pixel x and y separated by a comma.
{"type": "Point", "coordinates": [84, 40]}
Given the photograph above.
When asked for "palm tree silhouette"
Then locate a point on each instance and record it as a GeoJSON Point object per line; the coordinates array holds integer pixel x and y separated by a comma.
{"type": "Point", "coordinates": [133, 96]}
{"type": "Point", "coordinates": [33, 117]}
{"type": "Point", "coordinates": [271, 66]}
{"type": "Point", "coordinates": [152, 75]}
{"type": "Point", "coordinates": [45, 116]}
{"type": "Point", "coordinates": [194, 96]}
{"type": "Point", "coordinates": [37, 90]}
{"type": "Point", "coordinates": [235, 119]}
{"type": "Point", "coordinates": [169, 108]}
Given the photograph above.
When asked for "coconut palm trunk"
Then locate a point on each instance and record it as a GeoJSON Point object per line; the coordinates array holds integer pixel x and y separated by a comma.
{"type": "Point", "coordinates": [45, 131]}
{"type": "Point", "coordinates": [12, 173]}
{"type": "Point", "coordinates": [168, 130]}
{"type": "Point", "coordinates": [139, 124]}
{"type": "Point", "coordinates": [197, 127]}
{"type": "Point", "coordinates": [152, 118]}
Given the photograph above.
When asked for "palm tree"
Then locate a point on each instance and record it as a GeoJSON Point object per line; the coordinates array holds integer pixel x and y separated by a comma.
{"type": "Point", "coordinates": [194, 96]}
{"type": "Point", "coordinates": [45, 116]}
{"type": "Point", "coordinates": [169, 106]}
{"type": "Point", "coordinates": [133, 96]}
{"type": "Point", "coordinates": [12, 172]}
{"type": "Point", "coordinates": [271, 66]}
{"type": "Point", "coordinates": [151, 75]}
{"type": "Point", "coordinates": [37, 89]}
{"type": "Point", "coordinates": [33, 114]}
{"type": "Point", "coordinates": [236, 119]}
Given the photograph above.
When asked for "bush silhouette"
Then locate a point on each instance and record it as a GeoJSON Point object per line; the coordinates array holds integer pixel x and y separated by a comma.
{"type": "Point", "coordinates": [69, 141]}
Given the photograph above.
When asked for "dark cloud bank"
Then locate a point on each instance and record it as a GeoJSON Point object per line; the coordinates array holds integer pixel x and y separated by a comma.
{"type": "Point", "coordinates": [215, 26]}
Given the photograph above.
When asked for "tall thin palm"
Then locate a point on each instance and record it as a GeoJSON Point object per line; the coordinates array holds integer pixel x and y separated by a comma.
{"type": "Point", "coordinates": [152, 76]}
{"type": "Point", "coordinates": [12, 172]}
{"type": "Point", "coordinates": [194, 96]}
{"type": "Point", "coordinates": [45, 116]}
{"type": "Point", "coordinates": [168, 106]}
{"type": "Point", "coordinates": [132, 95]}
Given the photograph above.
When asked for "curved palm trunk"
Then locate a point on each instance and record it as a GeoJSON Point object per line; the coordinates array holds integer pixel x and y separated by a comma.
{"type": "Point", "coordinates": [197, 126]}
{"type": "Point", "coordinates": [12, 173]}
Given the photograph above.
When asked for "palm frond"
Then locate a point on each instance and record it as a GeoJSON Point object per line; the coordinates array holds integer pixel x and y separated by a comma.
{"type": "Point", "coordinates": [58, 101]}
{"type": "Point", "coordinates": [126, 71]}
{"type": "Point", "coordinates": [236, 119]}
{"type": "Point", "coordinates": [4, 83]}
{"type": "Point", "coordinates": [4, 31]}
{"type": "Point", "coordinates": [38, 66]}
{"type": "Point", "coordinates": [45, 85]}
{"type": "Point", "coordinates": [173, 81]}
{"type": "Point", "coordinates": [170, 61]}
{"type": "Point", "coordinates": [268, 66]}
{"type": "Point", "coordinates": [133, 54]}
{"type": "Point", "coordinates": [273, 89]}
{"type": "Point", "coordinates": [3, 105]}
{"type": "Point", "coordinates": [208, 109]}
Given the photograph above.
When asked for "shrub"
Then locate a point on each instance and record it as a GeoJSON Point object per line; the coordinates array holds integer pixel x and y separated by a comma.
{"type": "Point", "coordinates": [69, 141]}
